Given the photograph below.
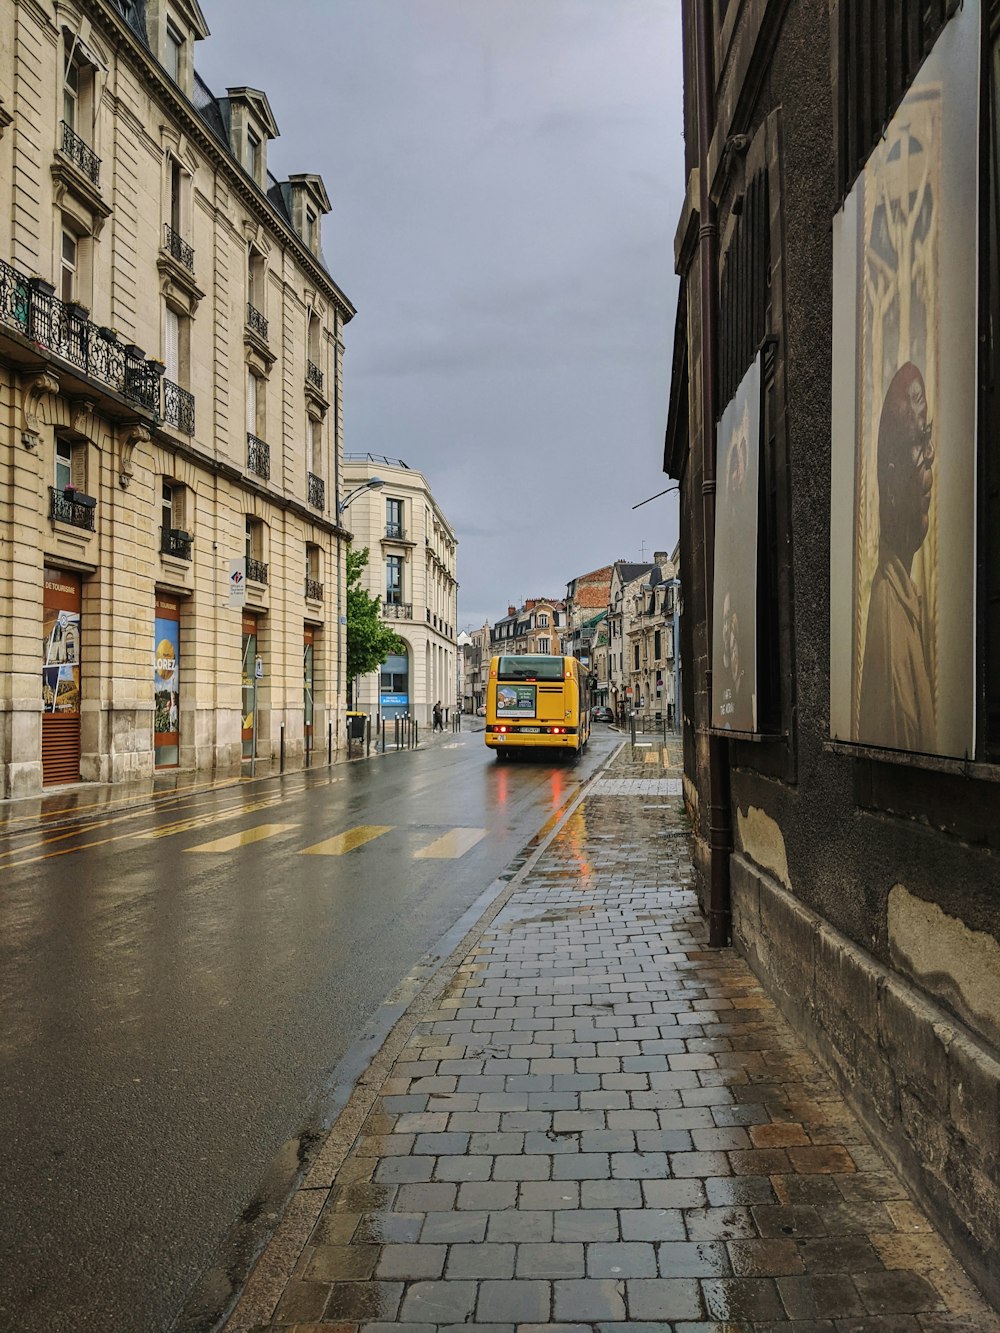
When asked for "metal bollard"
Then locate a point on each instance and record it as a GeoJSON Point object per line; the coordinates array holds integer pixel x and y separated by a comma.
{"type": "Point", "coordinates": [329, 742]}
{"type": "Point", "coordinates": [281, 746]}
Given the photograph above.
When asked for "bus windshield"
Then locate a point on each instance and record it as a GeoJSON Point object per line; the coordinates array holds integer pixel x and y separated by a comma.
{"type": "Point", "coordinates": [527, 667]}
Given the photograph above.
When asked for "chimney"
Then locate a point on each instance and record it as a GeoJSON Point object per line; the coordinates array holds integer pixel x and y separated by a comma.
{"type": "Point", "coordinates": [660, 557]}
{"type": "Point", "coordinates": [511, 610]}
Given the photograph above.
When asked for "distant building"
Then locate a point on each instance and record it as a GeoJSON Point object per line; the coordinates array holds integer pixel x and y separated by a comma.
{"type": "Point", "coordinates": [586, 596]}
{"type": "Point", "coordinates": [412, 568]}
{"type": "Point", "coordinates": [534, 627]}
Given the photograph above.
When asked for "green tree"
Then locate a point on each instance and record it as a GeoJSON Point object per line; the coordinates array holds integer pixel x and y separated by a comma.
{"type": "Point", "coordinates": [369, 641]}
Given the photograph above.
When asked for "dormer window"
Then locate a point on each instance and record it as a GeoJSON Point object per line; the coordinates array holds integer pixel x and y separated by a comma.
{"type": "Point", "coordinates": [311, 220]}
{"type": "Point", "coordinates": [253, 154]}
{"type": "Point", "coordinates": [174, 52]}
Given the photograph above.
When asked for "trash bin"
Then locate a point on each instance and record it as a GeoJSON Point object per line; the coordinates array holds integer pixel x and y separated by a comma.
{"type": "Point", "coordinates": [356, 726]}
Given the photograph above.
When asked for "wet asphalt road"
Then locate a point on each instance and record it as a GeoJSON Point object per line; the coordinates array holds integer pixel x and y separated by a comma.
{"type": "Point", "coordinates": [170, 1018]}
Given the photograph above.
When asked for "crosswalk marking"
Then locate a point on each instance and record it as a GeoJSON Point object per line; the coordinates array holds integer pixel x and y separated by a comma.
{"type": "Point", "coordinates": [346, 842]}
{"type": "Point", "coordinates": [452, 844]}
{"type": "Point", "coordinates": [243, 838]}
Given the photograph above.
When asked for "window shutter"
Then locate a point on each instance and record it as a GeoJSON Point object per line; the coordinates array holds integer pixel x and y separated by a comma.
{"type": "Point", "coordinates": [251, 403]}
{"type": "Point", "coordinates": [79, 466]}
{"type": "Point", "coordinates": [172, 345]}
{"type": "Point", "coordinates": [180, 508]}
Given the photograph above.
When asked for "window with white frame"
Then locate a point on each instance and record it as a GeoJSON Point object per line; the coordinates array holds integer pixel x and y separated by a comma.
{"type": "Point", "coordinates": [69, 258]}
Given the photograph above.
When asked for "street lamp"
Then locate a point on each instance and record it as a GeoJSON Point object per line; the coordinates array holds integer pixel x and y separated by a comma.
{"type": "Point", "coordinates": [372, 484]}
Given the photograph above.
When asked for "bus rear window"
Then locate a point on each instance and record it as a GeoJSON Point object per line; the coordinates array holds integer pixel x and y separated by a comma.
{"type": "Point", "coordinates": [528, 667]}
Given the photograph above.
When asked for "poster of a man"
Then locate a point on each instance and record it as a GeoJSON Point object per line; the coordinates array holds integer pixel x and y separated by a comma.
{"type": "Point", "coordinates": [734, 647]}
{"type": "Point", "coordinates": [897, 702]}
{"type": "Point", "coordinates": [905, 333]}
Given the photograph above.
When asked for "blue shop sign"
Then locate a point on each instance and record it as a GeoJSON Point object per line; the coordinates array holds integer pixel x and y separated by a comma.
{"type": "Point", "coordinates": [394, 700]}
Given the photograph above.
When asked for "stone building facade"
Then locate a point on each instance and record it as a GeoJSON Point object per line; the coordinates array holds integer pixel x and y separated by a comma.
{"type": "Point", "coordinates": [835, 291]}
{"type": "Point", "coordinates": [170, 410]}
{"type": "Point", "coordinates": [412, 567]}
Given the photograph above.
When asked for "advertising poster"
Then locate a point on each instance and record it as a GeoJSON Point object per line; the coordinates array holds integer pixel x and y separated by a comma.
{"type": "Point", "coordinates": [904, 419]}
{"type": "Point", "coordinates": [516, 700]}
{"type": "Point", "coordinates": [166, 682]}
{"type": "Point", "coordinates": [734, 606]}
{"type": "Point", "coordinates": [60, 661]}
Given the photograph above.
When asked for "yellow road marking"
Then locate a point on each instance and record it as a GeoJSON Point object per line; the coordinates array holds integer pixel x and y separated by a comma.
{"type": "Point", "coordinates": [203, 821]}
{"type": "Point", "coordinates": [666, 757]}
{"type": "Point", "coordinates": [346, 842]}
{"type": "Point", "coordinates": [452, 845]}
{"type": "Point", "coordinates": [243, 838]}
{"type": "Point", "coordinates": [651, 758]}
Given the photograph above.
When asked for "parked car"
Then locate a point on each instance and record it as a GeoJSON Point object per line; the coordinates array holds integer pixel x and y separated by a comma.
{"type": "Point", "coordinates": [601, 713]}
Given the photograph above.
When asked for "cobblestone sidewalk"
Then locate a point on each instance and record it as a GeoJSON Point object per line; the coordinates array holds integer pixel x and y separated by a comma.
{"type": "Point", "coordinates": [604, 1122]}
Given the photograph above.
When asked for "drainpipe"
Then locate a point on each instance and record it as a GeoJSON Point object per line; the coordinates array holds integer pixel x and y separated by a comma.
{"type": "Point", "coordinates": [719, 817]}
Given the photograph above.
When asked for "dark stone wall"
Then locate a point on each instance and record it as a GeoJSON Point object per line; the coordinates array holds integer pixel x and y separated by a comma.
{"type": "Point", "coordinates": [829, 835]}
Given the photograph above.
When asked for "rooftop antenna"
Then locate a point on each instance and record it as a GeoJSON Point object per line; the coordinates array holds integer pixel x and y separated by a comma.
{"type": "Point", "coordinates": [642, 553]}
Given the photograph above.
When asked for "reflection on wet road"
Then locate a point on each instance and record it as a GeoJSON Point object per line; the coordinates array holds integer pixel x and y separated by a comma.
{"type": "Point", "coordinates": [178, 981]}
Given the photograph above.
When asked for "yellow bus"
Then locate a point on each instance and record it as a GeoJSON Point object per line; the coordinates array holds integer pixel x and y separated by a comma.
{"type": "Point", "coordinates": [537, 702]}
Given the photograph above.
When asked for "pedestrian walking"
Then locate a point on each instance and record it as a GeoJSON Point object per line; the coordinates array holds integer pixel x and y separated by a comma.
{"type": "Point", "coordinates": [438, 717]}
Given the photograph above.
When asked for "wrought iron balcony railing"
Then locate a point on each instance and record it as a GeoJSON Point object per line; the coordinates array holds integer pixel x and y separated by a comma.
{"type": "Point", "coordinates": [317, 491]}
{"type": "Point", "coordinates": [398, 610]}
{"type": "Point", "coordinates": [258, 457]}
{"type": "Point", "coordinates": [256, 321]}
{"type": "Point", "coordinates": [30, 307]}
{"type": "Point", "coordinates": [314, 590]}
{"type": "Point", "coordinates": [178, 407]}
{"type": "Point", "coordinates": [256, 570]}
{"type": "Point", "coordinates": [81, 154]}
{"type": "Point", "coordinates": [395, 530]}
{"type": "Point", "coordinates": [314, 375]}
{"type": "Point", "coordinates": [65, 508]}
{"type": "Point", "coordinates": [176, 245]}
{"type": "Point", "coordinates": [174, 541]}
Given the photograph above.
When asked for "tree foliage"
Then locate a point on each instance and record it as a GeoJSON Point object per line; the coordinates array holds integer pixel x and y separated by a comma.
{"type": "Point", "coordinates": [369, 641]}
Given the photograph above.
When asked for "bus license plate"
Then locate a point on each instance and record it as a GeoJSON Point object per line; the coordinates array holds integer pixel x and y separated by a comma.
{"type": "Point", "coordinates": [532, 731]}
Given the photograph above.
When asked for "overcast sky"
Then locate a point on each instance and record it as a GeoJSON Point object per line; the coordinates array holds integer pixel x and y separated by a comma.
{"type": "Point", "coordinates": [506, 177]}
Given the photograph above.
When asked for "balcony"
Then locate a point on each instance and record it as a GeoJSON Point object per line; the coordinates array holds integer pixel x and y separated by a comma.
{"type": "Point", "coordinates": [317, 491]}
{"type": "Point", "coordinates": [30, 307]}
{"type": "Point", "coordinates": [314, 590]}
{"type": "Point", "coordinates": [178, 407]}
{"type": "Point", "coordinates": [256, 570]}
{"type": "Point", "coordinates": [176, 542]}
{"type": "Point", "coordinates": [398, 610]}
{"type": "Point", "coordinates": [177, 247]}
{"type": "Point", "coordinates": [314, 376]}
{"type": "Point", "coordinates": [81, 154]}
{"type": "Point", "coordinates": [258, 458]}
{"type": "Point", "coordinates": [256, 322]}
{"type": "Point", "coordinates": [72, 507]}
{"type": "Point", "coordinates": [395, 531]}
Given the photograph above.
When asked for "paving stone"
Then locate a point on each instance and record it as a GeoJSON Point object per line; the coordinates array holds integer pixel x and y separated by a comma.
{"type": "Point", "coordinates": [550, 1195]}
{"type": "Point", "coordinates": [664, 1299]}
{"type": "Point", "coordinates": [522, 1226]}
{"type": "Point", "coordinates": [586, 1224]}
{"type": "Point", "coordinates": [550, 1260]}
{"type": "Point", "coordinates": [621, 1260]}
{"type": "Point", "coordinates": [440, 1302]}
{"type": "Point", "coordinates": [486, 1196]}
{"type": "Point", "coordinates": [481, 1261]}
{"type": "Point", "coordinates": [742, 1299]}
{"type": "Point", "coordinates": [408, 1262]}
{"type": "Point", "coordinates": [386, 1228]}
{"type": "Point", "coordinates": [463, 1168]}
{"type": "Point", "coordinates": [652, 1224]}
{"type": "Point", "coordinates": [453, 1228]}
{"type": "Point", "coordinates": [434, 1198]}
{"type": "Point", "coordinates": [820, 1296]}
{"type": "Point", "coordinates": [518, 1301]}
{"type": "Point", "coordinates": [589, 1299]}
{"type": "Point", "coordinates": [363, 1300]}
{"type": "Point", "coordinates": [611, 1193]}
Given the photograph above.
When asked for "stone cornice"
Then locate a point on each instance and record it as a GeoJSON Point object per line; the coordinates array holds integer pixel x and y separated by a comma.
{"type": "Point", "coordinates": [165, 91]}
